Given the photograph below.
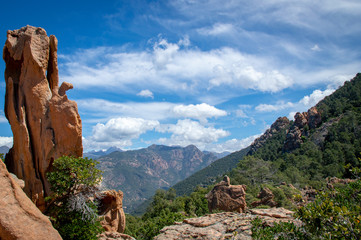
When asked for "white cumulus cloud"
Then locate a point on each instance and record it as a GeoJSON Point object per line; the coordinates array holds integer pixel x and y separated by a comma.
{"type": "Point", "coordinates": [6, 141]}
{"type": "Point", "coordinates": [198, 111]}
{"type": "Point", "coordinates": [145, 93]}
{"type": "Point", "coordinates": [187, 132]}
{"type": "Point", "coordinates": [122, 128]}
{"type": "Point", "coordinates": [302, 105]}
{"type": "Point", "coordinates": [272, 108]}
{"type": "Point", "coordinates": [232, 145]}
{"type": "Point", "coordinates": [172, 67]}
{"type": "Point", "coordinates": [316, 96]}
{"type": "Point", "coordinates": [316, 48]}
{"type": "Point", "coordinates": [149, 110]}
{"type": "Point", "coordinates": [118, 132]}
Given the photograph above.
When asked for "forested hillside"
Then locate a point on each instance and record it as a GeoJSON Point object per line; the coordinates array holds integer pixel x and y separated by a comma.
{"type": "Point", "coordinates": [323, 150]}
{"type": "Point", "coordinates": [208, 175]}
{"type": "Point", "coordinates": [318, 144]}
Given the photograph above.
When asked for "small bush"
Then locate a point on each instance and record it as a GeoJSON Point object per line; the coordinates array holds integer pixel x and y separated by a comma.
{"type": "Point", "coordinates": [280, 231]}
{"type": "Point", "coordinates": [335, 214]}
{"type": "Point", "coordinates": [73, 182]}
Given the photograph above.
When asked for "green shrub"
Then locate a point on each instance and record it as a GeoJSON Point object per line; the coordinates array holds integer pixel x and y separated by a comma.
{"type": "Point", "coordinates": [164, 210]}
{"type": "Point", "coordinates": [73, 182]}
{"type": "Point", "coordinates": [280, 231]}
{"type": "Point", "coordinates": [335, 214]}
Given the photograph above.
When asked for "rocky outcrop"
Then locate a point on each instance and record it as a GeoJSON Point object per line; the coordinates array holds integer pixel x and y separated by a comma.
{"type": "Point", "coordinates": [314, 118]}
{"type": "Point", "coordinates": [331, 181]}
{"type": "Point", "coordinates": [45, 124]}
{"type": "Point", "coordinates": [308, 195]}
{"type": "Point", "coordinates": [303, 121]}
{"type": "Point", "coordinates": [20, 219]}
{"type": "Point", "coordinates": [280, 123]}
{"type": "Point", "coordinates": [226, 225]}
{"type": "Point", "coordinates": [111, 210]}
{"type": "Point", "coordinates": [266, 198]}
{"type": "Point", "coordinates": [336, 180]}
{"type": "Point", "coordinates": [227, 197]}
{"type": "Point", "coordinates": [293, 139]}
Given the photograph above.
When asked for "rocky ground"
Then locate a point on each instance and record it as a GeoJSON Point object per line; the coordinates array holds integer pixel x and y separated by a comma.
{"type": "Point", "coordinates": [226, 225]}
{"type": "Point", "coordinates": [114, 236]}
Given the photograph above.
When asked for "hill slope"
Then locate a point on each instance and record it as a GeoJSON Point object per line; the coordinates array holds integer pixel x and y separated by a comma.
{"type": "Point", "coordinates": [140, 173]}
{"type": "Point", "coordinates": [316, 145]}
{"type": "Point", "coordinates": [209, 174]}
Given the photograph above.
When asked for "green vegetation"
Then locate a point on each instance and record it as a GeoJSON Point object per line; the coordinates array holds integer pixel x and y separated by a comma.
{"type": "Point", "coordinates": [73, 181]}
{"type": "Point", "coordinates": [210, 174]}
{"type": "Point", "coordinates": [324, 152]}
{"type": "Point", "coordinates": [335, 214]}
{"type": "Point", "coordinates": [281, 231]}
{"type": "Point", "coordinates": [2, 157]}
{"type": "Point", "coordinates": [164, 210]}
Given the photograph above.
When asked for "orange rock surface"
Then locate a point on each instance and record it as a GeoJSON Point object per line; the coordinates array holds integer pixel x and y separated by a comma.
{"type": "Point", "coordinates": [45, 124]}
{"type": "Point", "coordinates": [227, 197]}
{"type": "Point", "coordinates": [111, 210]}
{"type": "Point", "coordinates": [20, 219]}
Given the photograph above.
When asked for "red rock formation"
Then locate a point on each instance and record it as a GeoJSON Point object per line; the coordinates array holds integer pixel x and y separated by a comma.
{"type": "Point", "coordinates": [45, 124]}
{"type": "Point", "coordinates": [293, 139]}
{"type": "Point", "coordinates": [311, 119]}
{"type": "Point", "coordinates": [227, 197]}
{"type": "Point", "coordinates": [301, 119]}
{"type": "Point", "coordinates": [314, 118]}
{"type": "Point", "coordinates": [20, 219]}
{"type": "Point", "coordinates": [266, 198]}
{"type": "Point", "coordinates": [111, 209]}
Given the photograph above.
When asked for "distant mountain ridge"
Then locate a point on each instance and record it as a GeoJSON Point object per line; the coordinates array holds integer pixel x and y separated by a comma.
{"type": "Point", "coordinates": [97, 154]}
{"type": "Point", "coordinates": [4, 149]}
{"type": "Point", "coordinates": [139, 173]}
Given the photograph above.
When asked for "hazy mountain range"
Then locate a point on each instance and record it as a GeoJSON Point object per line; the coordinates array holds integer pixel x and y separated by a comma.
{"type": "Point", "coordinates": [139, 173]}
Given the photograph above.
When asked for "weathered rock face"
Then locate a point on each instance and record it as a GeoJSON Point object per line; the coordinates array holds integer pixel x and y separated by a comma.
{"type": "Point", "coordinates": [45, 124]}
{"type": "Point", "coordinates": [227, 197]}
{"type": "Point", "coordinates": [20, 219]}
{"type": "Point", "coordinates": [293, 139]}
{"type": "Point", "coordinates": [111, 209]}
{"type": "Point", "coordinates": [311, 119]}
{"type": "Point", "coordinates": [278, 125]}
{"type": "Point", "coordinates": [225, 225]}
{"type": "Point", "coordinates": [266, 198]}
{"type": "Point", "coordinates": [314, 118]}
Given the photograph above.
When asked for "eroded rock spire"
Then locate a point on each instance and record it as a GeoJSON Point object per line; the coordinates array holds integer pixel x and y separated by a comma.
{"type": "Point", "coordinates": [45, 124]}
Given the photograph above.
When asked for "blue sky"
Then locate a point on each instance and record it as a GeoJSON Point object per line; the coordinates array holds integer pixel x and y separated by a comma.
{"type": "Point", "coordinates": [215, 74]}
